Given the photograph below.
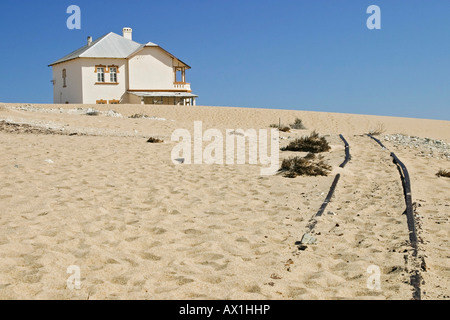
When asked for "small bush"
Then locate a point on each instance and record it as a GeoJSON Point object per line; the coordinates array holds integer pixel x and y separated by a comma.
{"type": "Point", "coordinates": [378, 130]}
{"type": "Point", "coordinates": [154, 140]}
{"type": "Point", "coordinates": [306, 166]}
{"type": "Point", "coordinates": [443, 173]}
{"type": "Point", "coordinates": [312, 143]}
{"type": "Point", "coordinates": [298, 124]}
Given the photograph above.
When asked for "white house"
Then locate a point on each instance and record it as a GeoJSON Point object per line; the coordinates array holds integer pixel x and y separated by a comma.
{"type": "Point", "coordinates": [115, 69]}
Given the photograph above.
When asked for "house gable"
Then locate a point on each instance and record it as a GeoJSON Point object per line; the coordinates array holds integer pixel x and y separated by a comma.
{"type": "Point", "coordinates": [151, 68]}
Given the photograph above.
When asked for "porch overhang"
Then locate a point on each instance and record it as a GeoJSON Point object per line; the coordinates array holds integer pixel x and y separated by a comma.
{"type": "Point", "coordinates": [144, 94]}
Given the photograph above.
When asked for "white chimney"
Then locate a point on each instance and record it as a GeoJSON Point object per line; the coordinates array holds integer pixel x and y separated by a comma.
{"type": "Point", "coordinates": [128, 33]}
{"type": "Point", "coordinates": [89, 40]}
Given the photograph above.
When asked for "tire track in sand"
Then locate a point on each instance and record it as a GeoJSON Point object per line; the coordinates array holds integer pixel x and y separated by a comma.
{"type": "Point", "coordinates": [355, 237]}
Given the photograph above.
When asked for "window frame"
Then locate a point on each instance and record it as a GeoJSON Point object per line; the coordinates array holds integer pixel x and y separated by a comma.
{"type": "Point", "coordinates": [100, 74]}
{"type": "Point", "coordinates": [112, 74]}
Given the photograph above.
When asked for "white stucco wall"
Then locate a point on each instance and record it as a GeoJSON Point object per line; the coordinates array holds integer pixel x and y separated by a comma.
{"type": "Point", "coordinates": [72, 93]}
{"type": "Point", "coordinates": [151, 68]}
{"type": "Point", "coordinates": [92, 91]}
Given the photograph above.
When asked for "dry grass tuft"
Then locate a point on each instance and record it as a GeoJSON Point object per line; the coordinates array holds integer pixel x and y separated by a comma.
{"type": "Point", "coordinates": [443, 173]}
{"type": "Point", "coordinates": [312, 143]}
{"type": "Point", "coordinates": [298, 124]}
{"type": "Point", "coordinates": [378, 130]}
{"type": "Point", "coordinates": [154, 140]}
{"type": "Point", "coordinates": [306, 166]}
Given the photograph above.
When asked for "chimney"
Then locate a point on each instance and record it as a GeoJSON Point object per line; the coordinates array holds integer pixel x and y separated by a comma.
{"type": "Point", "coordinates": [89, 40]}
{"type": "Point", "coordinates": [128, 33]}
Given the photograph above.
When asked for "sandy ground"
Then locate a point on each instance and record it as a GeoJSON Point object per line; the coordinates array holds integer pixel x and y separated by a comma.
{"type": "Point", "coordinates": [88, 191]}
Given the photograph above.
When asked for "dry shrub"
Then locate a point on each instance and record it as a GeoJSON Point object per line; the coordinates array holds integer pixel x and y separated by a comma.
{"type": "Point", "coordinates": [298, 124]}
{"type": "Point", "coordinates": [138, 116]}
{"type": "Point", "coordinates": [306, 166]}
{"type": "Point", "coordinates": [281, 127]}
{"type": "Point", "coordinates": [312, 143]}
{"type": "Point", "coordinates": [154, 140]}
{"type": "Point", "coordinates": [378, 130]}
{"type": "Point", "coordinates": [443, 173]}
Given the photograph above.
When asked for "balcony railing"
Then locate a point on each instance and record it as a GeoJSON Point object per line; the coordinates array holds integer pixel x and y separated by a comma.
{"type": "Point", "coordinates": [182, 85]}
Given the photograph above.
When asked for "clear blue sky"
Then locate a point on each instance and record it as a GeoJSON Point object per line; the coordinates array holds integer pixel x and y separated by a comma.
{"type": "Point", "coordinates": [290, 54]}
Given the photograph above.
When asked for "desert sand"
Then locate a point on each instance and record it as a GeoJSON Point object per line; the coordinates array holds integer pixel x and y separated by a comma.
{"type": "Point", "coordinates": [89, 191]}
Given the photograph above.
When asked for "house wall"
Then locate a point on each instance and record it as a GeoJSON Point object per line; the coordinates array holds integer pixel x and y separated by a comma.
{"type": "Point", "coordinates": [93, 91]}
{"type": "Point", "coordinates": [73, 92]}
{"type": "Point", "coordinates": [151, 68]}
{"type": "Point", "coordinates": [133, 99]}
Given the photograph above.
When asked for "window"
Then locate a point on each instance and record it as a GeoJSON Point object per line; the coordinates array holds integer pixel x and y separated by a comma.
{"type": "Point", "coordinates": [100, 74]}
{"type": "Point", "coordinates": [101, 101]}
{"type": "Point", "coordinates": [64, 75]}
{"type": "Point", "coordinates": [113, 74]}
{"type": "Point", "coordinates": [114, 101]}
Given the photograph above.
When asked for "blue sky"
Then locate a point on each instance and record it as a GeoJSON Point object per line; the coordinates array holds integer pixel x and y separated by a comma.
{"type": "Point", "coordinates": [313, 55]}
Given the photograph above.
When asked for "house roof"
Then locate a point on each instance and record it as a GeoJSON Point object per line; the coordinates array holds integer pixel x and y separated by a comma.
{"type": "Point", "coordinates": [110, 45]}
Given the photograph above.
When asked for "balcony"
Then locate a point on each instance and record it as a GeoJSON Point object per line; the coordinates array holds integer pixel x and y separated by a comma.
{"type": "Point", "coordinates": [184, 86]}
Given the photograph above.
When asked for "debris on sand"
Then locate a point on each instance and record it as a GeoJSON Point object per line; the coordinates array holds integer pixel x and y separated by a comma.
{"type": "Point", "coordinates": [308, 239]}
{"type": "Point", "coordinates": [154, 140]}
{"type": "Point", "coordinates": [19, 128]}
{"type": "Point", "coordinates": [426, 147]}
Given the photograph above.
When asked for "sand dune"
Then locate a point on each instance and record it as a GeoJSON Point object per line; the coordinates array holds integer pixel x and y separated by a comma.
{"type": "Point", "coordinates": [89, 191]}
